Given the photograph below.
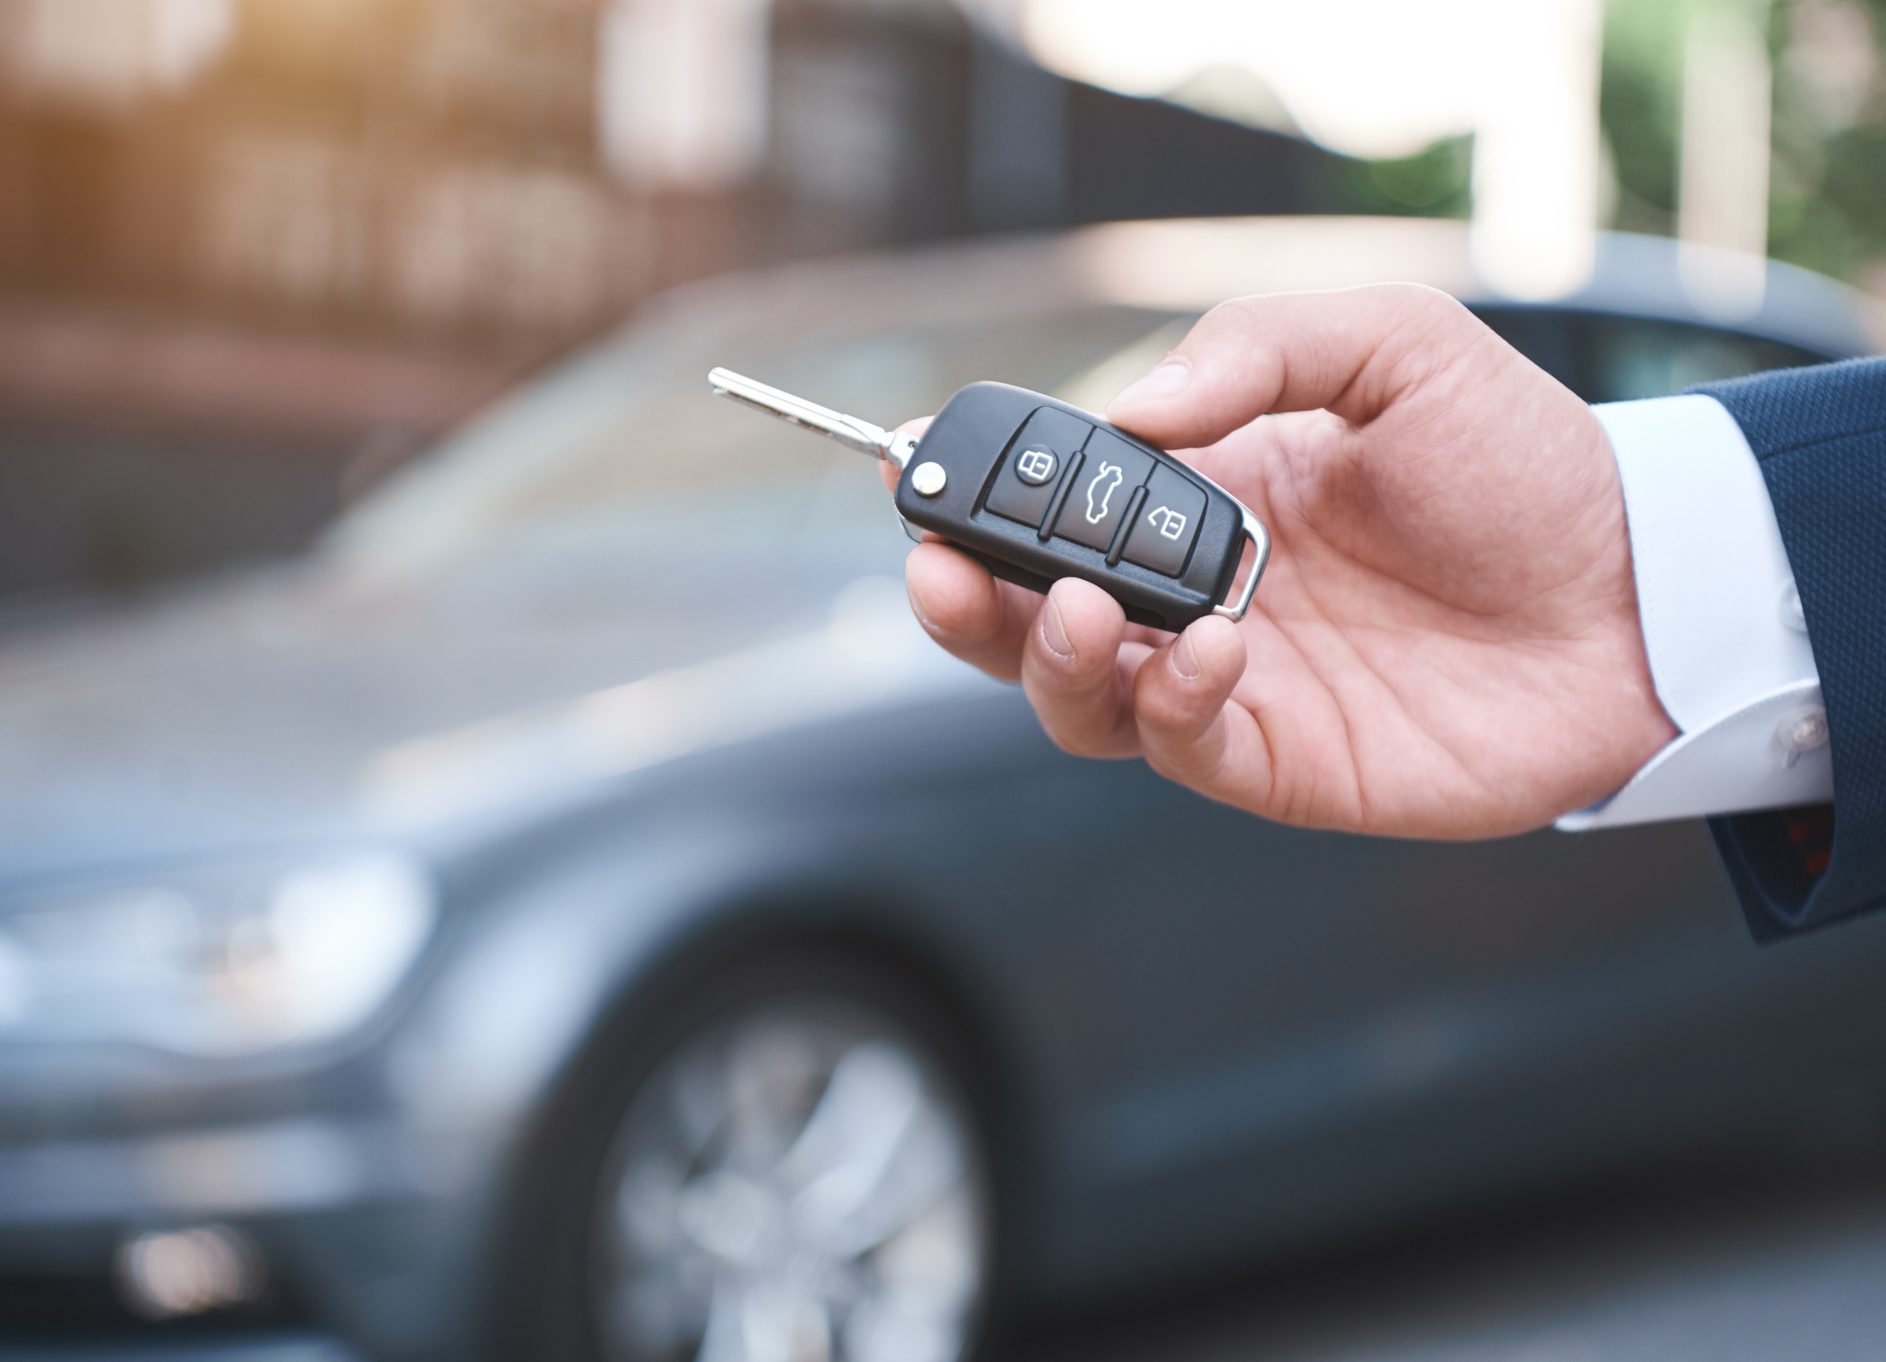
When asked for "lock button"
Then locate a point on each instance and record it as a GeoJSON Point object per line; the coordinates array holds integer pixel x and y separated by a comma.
{"type": "Point", "coordinates": [1037, 457]}
{"type": "Point", "coordinates": [1162, 533]}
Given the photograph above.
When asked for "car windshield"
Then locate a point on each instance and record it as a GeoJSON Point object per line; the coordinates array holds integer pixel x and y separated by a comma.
{"type": "Point", "coordinates": [624, 444]}
{"type": "Point", "coordinates": [620, 454]}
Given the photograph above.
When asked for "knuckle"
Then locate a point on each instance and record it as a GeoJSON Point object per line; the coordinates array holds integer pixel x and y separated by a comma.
{"type": "Point", "coordinates": [1067, 743]}
{"type": "Point", "coordinates": [1066, 710]}
{"type": "Point", "coordinates": [963, 624]}
{"type": "Point", "coordinates": [1236, 342]}
{"type": "Point", "coordinates": [1170, 715]}
{"type": "Point", "coordinates": [978, 640]}
{"type": "Point", "coordinates": [1079, 704]}
{"type": "Point", "coordinates": [1187, 762]}
{"type": "Point", "coordinates": [1177, 754]}
{"type": "Point", "coordinates": [1410, 294]}
{"type": "Point", "coordinates": [1075, 739]}
{"type": "Point", "coordinates": [997, 661]}
{"type": "Point", "coordinates": [1424, 301]}
{"type": "Point", "coordinates": [1238, 315]}
{"type": "Point", "coordinates": [1181, 734]}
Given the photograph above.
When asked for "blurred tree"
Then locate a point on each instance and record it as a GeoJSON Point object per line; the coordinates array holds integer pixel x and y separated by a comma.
{"type": "Point", "coordinates": [1827, 206]}
{"type": "Point", "coordinates": [1435, 182]}
{"type": "Point", "coordinates": [1640, 105]}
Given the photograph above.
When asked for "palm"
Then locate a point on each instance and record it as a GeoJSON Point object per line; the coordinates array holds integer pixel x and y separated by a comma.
{"type": "Point", "coordinates": [1414, 661]}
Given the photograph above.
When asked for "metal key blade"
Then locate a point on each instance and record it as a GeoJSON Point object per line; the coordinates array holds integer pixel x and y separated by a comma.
{"type": "Point", "coordinates": [850, 431]}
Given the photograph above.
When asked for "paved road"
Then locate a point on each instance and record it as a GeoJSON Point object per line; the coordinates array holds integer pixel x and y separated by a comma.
{"type": "Point", "coordinates": [1721, 1271]}
{"type": "Point", "coordinates": [1730, 1274]}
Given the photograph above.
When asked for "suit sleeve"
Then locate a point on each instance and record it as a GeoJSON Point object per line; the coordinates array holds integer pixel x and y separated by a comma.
{"type": "Point", "coordinates": [1820, 437]}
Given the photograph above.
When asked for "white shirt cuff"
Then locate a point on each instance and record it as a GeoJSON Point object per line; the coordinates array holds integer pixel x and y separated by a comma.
{"type": "Point", "coordinates": [1723, 628]}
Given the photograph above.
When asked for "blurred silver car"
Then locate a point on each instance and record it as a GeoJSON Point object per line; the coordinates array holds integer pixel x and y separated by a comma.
{"type": "Point", "coordinates": [575, 913]}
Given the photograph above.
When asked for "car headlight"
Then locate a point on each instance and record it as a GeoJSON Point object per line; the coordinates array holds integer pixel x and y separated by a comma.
{"type": "Point", "coordinates": [218, 960]}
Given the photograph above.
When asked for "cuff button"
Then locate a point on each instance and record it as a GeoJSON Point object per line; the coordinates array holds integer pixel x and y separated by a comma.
{"type": "Point", "coordinates": [1802, 732]}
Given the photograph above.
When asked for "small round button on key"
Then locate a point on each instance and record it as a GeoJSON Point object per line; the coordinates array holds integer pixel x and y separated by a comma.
{"type": "Point", "coordinates": [928, 479]}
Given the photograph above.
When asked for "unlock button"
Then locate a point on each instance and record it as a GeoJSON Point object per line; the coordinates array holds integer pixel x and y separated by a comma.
{"type": "Point", "coordinates": [1167, 524]}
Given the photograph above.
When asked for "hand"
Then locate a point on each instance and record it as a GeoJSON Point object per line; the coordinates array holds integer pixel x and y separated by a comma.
{"type": "Point", "coordinates": [1446, 642]}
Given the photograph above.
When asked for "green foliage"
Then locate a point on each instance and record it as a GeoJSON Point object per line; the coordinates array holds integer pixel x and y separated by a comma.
{"type": "Point", "coordinates": [1640, 107]}
{"type": "Point", "coordinates": [1434, 182]}
{"type": "Point", "coordinates": [1827, 201]}
{"type": "Point", "coordinates": [1828, 174]}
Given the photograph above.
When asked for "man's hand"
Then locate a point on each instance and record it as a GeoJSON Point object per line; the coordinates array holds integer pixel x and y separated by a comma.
{"type": "Point", "coordinates": [1446, 642]}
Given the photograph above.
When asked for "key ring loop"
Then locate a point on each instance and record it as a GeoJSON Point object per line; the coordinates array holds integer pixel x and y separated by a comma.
{"type": "Point", "coordinates": [1260, 537]}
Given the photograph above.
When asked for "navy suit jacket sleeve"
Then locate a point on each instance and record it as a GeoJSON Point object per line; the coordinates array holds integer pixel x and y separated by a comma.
{"type": "Point", "coordinates": [1820, 435]}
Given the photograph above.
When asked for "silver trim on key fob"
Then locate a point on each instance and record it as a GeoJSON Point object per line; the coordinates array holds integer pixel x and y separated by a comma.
{"type": "Point", "coordinates": [1260, 538]}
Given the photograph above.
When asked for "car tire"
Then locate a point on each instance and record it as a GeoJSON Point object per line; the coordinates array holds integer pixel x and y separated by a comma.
{"type": "Point", "coordinates": [788, 1159]}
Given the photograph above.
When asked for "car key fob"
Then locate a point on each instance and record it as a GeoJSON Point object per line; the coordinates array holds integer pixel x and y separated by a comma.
{"type": "Point", "coordinates": [1036, 490]}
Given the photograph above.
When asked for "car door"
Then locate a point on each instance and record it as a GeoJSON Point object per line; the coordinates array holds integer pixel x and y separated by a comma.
{"type": "Point", "coordinates": [1305, 1032]}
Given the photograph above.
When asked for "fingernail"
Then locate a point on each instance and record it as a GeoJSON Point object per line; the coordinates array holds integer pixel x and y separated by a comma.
{"type": "Point", "coordinates": [1168, 380]}
{"type": "Point", "coordinates": [1184, 660]}
{"type": "Point", "coordinates": [1054, 631]}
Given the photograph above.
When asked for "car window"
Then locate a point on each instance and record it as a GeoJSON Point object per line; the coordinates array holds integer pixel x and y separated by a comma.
{"type": "Point", "coordinates": [627, 438]}
{"type": "Point", "coordinates": [1627, 358]}
{"type": "Point", "coordinates": [621, 450]}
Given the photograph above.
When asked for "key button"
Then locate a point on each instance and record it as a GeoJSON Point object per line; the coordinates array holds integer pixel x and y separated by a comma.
{"type": "Point", "coordinates": [1039, 455]}
{"type": "Point", "coordinates": [1167, 523]}
{"type": "Point", "coordinates": [1036, 466]}
{"type": "Point", "coordinates": [1101, 494]}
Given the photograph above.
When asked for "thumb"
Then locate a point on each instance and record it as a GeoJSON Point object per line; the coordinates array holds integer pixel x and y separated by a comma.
{"type": "Point", "coordinates": [1343, 351]}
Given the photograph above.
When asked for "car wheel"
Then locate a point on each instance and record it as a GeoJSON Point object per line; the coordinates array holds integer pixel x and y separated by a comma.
{"type": "Point", "coordinates": [795, 1172]}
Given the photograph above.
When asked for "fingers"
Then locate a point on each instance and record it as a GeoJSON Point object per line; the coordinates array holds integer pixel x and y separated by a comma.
{"type": "Point", "coordinates": [967, 611]}
{"type": "Point", "coordinates": [1188, 729]}
{"type": "Point", "coordinates": [1077, 676]}
{"type": "Point", "coordinates": [1286, 352]}
{"type": "Point", "coordinates": [1068, 650]}
{"type": "Point", "coordinates": [1096, 693]}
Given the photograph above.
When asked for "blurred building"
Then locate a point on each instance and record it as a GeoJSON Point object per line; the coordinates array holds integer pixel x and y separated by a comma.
{"type": "Point", "coordinates": [247, 242]}
{"type": "Point", "coordinates": [249, 245]}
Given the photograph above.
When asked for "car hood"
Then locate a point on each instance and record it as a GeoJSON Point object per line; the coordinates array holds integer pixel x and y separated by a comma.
{"type": "Point", "coordinates": [303, 704]}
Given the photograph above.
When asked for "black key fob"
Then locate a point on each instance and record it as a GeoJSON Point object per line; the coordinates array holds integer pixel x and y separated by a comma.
{"type": "Point", "coordinates": [1035, 490]}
